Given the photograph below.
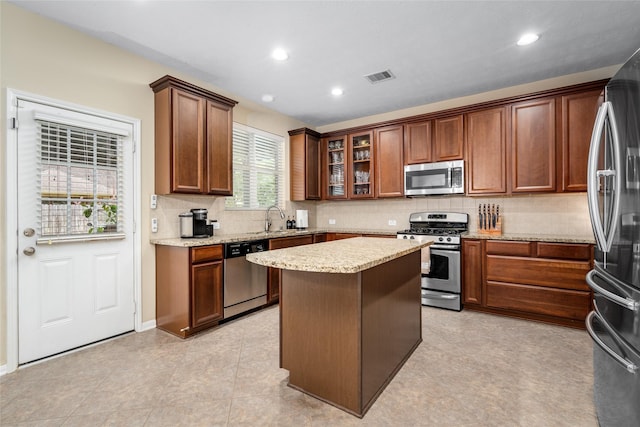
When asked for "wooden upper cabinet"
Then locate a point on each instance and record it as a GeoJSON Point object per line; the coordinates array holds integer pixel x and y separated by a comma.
{"type": "Point", "coordinates": [219, 149]}
{"type": "Point", "coordinates": [193, 139]}
{"type": "Point", "coordinates": [187, 142]}
{"type": "Point", "coordinates": [533, 146]}
{"type": "Point", "coordinates": [418, 142]}
{"type": "Point", "coordinates": [360, 156]}
{"type": "Point", "coordinates": [487, 151]}
{"type": "Point", "coordinates": [389, 171]}
{"type": "Point", "coordinates": [578, 115]}
{"type": "Point", "coordinates": [304, 165]}
{"type": "Point", "coordinates": [334, 167]}
{"type": "Point", "coordinates": [448, 139]}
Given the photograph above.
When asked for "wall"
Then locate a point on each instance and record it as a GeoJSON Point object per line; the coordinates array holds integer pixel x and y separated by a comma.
{"type": "Point", "coordinates": [42, 57]}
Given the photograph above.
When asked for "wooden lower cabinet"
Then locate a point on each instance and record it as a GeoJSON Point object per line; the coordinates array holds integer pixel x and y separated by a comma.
{"type": "Point", "coordinates": [542, 281]}
{"type": "Point", "coordinates": [340, 236]}
{"type": "Point", "coordinates": [274, 275]}
{"type": "Point", "coordinates": [472, 251]}
{"type": "Point", "coordinates": [188, 288]}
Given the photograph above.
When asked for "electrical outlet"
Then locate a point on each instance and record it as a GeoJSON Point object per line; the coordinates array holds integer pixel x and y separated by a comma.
{"type": "Point", "coordinates": [154, 201]}
{"type": "Point", "coordinates": [154, 225]}
{"type": "Point", "coordinates": [216, 225]}
{"type": "Point", "coordinates": [332, 222]}
{"type": "Point", "coordinates": [392, 222]}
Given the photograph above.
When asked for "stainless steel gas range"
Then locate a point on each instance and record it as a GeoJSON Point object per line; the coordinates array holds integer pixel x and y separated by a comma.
{"type": "Point", "coordinates": [441, 273]}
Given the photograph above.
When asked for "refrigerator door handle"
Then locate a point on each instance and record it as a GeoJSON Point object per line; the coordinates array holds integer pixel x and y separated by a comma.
{"type": "Point", "coordinates": [604, 238]}
{"type": "Point", "coordinates": [624, 362]}
{"type": "Point", "coordinates": [622, 301]}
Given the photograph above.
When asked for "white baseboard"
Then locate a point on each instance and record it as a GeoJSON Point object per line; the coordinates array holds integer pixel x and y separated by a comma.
{"type": "Point", "coordinates": [150, 324]}
{"type": "Point", "coordinates": [3, 370]}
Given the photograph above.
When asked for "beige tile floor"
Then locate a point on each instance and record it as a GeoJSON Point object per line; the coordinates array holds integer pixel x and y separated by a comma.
{"type": "Point", "coordinates": [472, 369]}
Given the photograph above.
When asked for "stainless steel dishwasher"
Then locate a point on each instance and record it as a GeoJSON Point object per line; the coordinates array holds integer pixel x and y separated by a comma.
{"type": "Point", "coordinates": [245, 283]}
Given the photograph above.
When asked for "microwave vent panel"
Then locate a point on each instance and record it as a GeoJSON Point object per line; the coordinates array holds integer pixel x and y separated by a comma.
{"type": "Point", "coordinates": [380, 76]}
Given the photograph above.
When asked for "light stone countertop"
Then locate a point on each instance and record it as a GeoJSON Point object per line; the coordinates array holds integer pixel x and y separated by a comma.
{"type": "Point", "coordinates": [338, 256]}
{"type": "Point", "coordinates": [242, 237]}
{"type": "Point", "coordinates": [257, 235]}
{"type": "Point", "coordinates": [532, 237]}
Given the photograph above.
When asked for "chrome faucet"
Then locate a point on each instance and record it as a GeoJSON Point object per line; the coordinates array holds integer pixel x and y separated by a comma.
{"type": "Point", "coordinates": [267, 222]}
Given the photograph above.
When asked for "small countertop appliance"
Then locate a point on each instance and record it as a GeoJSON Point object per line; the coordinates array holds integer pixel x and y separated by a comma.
{"type": "Point", "coordinates": [194, 224]}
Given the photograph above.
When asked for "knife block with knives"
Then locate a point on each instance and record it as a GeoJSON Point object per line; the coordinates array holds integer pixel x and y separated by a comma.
{"type": "Point", "coordinates": [489, 219]}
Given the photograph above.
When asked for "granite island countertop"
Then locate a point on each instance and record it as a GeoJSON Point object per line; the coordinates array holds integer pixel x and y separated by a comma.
{"type": "Point", "coordinates": [338, 256]}
{"type": "Point", "coordinates": [553, 238]}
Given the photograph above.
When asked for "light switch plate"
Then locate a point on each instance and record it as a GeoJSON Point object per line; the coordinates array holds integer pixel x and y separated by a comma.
{"type": "Point", "coordinates": [154, 225]}
{"type": "Point", "coordinates": [332, 222]}
{"type": "Point", "coordinates": [392, 222]}
{"type": "Point", "coordinates": [154, 201]}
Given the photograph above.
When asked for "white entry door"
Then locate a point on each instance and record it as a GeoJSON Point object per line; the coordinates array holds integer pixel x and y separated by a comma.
{"type": "Point", "coordinates": [75, 230]}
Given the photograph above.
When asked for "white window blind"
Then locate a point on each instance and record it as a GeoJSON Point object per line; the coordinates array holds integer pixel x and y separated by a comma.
{"type": "Point", "coordinates": [258, 169]}
{"type": "Point", "coordinates": [80, 180]}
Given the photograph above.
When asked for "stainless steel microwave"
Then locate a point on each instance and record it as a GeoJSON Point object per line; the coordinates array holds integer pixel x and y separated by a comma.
{"type": "Point", "coordinates": [434, 178]}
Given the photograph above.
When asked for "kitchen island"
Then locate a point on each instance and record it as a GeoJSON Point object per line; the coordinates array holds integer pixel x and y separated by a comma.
{"type": "Point", "coordinates": [350, 316]}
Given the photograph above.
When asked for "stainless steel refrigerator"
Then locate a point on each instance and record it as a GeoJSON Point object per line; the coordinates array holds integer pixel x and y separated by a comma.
{"type": "Point", "coordinates": [614, 206]}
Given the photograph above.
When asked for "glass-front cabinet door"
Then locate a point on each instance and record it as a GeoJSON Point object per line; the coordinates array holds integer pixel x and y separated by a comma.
{"type": "Point", "coordinates": [361, 170]}
{"type": "Point", "coordinates": [335, 149]}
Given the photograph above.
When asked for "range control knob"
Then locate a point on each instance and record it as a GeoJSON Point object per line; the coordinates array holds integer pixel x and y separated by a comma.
{"type": "Point", "coordinates": [448, 239]}
{"type": "Point", "coordinates": [440, 239]}
{"type": "Point", "coordinates": [412, 237]}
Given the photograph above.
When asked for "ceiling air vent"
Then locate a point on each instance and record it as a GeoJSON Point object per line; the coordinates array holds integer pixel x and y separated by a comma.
{"type": "Point", "coordinates": [380, 77]}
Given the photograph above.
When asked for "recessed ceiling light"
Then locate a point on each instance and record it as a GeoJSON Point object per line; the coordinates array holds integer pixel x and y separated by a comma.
{"type": "Point", "coordinates": [267, 98]}
{"type": "Point", "coordinates": [336, 91]}
{"type": "Point", "coordinates": [280, 54]}
{"type": "Point", "coordinates": [528, 38]}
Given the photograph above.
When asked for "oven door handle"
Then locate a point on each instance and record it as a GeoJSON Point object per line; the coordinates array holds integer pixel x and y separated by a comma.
{"type": "Point", "coordinates": [441, 296]}
{"type": "Point", "coordinates": [443, 249]}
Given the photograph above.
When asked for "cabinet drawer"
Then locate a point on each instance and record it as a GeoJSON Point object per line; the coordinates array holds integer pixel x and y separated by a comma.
{"type": "Point", "coordinates": [535, 299]}
{"type": "Point", "coordinates": [564, 250]}
{"type": "Point", "coordinates": [537, 271]}
{"type": "Point", "coordinates": [288, 242]}
{"type": "Point", "coordinates": [206, 253]}
{"type": "Point", "coordinates": [319, 238]}
{"type": "Point", "coordinates": [498, 247]}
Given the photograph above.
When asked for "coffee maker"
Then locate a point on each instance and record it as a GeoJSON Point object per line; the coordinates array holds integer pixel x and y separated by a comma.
{"type": "Point", "coordinates": [200, 226]}
{"type": "Point", "coordinates": [194, 224]}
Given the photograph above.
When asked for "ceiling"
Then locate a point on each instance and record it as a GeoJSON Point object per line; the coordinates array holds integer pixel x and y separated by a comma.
{"type": "Point", "coordinates": [437, 50]}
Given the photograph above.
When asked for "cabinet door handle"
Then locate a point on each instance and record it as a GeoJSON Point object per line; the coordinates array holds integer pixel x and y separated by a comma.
{"type": "Point", "coordinates": [185, 329]}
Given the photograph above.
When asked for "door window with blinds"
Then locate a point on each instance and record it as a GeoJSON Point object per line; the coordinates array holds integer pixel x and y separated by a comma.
{"type": "Point", "coordinates": [258, 169]}
{"type": "Point", "coordinates": [81, 176]}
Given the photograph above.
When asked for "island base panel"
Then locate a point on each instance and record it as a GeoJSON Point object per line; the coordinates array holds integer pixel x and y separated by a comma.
{"type": "Point", "coordinates": [320, 329]}
{"type": "Point", "coordinates": [344, 336]}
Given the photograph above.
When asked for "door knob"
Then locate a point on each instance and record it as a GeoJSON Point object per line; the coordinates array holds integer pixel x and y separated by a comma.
{"type": "Point", "coordinates": [29, 251]}
{"type": "Point", "coordinates": [28, 232]}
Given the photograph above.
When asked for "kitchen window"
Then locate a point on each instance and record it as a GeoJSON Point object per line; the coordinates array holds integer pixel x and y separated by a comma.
{"type": "Point", "coordinates": [258, 169]}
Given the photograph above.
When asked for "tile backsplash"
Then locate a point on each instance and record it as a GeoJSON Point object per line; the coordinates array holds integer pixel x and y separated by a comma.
{"type": "Point", "coordinates": [558, 214]}
{"type": "Point", "coordinates": [231, 221]}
